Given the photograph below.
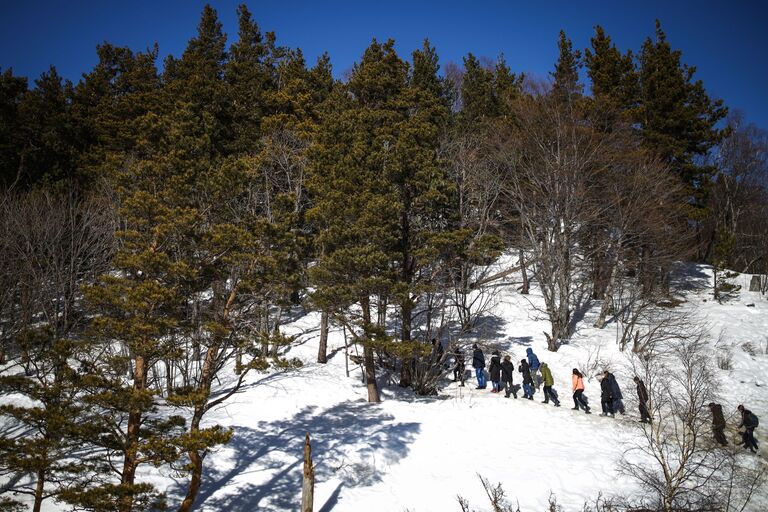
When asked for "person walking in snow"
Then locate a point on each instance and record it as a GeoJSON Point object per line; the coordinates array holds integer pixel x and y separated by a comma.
{"type": "Point", "coordinates": [606, 398]}
{"type": "Point", "coordinates": [642, 398]}
{"type": "Point", "coordinates": [616, 396]}
{"type": "Point", "coordinates": [579, 400]}
{"type": "Point", "coordinates": [533, 363]}
{"type": "Point", "coordinates": [525, 369]}
{"type": "Point", "coordinates": [458, 368]}
{"type": "Point", "coordinates": [749, 421]}
{"type": "Point", "coordinates": [549, 381]}
{"type": "Point", "coordinates": [507, 372]}
{"type": "Point", "coordinates": [718, 423]}
{"type": "Point", "coordinates": [495, 370]}
{"type": "Point", "coordinates": [478, 363]}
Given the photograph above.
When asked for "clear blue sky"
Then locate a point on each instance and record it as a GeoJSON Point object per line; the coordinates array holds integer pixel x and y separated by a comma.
{"type": "Point", "coordinates": [726, 40]}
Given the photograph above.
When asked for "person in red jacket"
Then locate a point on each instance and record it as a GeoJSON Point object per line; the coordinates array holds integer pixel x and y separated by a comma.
{"type": "Point", "coordinates": [579, 400]}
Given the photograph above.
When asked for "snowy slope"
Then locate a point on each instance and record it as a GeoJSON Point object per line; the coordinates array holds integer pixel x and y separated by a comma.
{"type": "Point", "coordinates": [418, 453]}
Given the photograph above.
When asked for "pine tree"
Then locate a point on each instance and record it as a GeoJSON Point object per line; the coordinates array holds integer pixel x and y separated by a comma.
{"type": "Point", "coordinates": [142, 303]}
{"type": "Point", "coordinates": [116, 107]}
{"type": "Point", "coordinates": [250, 76]}
{"type": "Point", "coordinates": [48, 148]}
{"type": "Point", "coordinates": [613, 75]}
{"type": "Point", "coordinates": [566, 87]}
{"type": "Point", "coordinates": [477, 98]}
{"type": "Point", "coordinates": [354, 158]}
{"type": "Point", "coordinates": [677, 118]}
{"type": "Point", "coordinates": [196, 81]}
{"type": "Point", "coordinates": [53, 431]}
{"type": "Point", "coordinates": [12, 91]}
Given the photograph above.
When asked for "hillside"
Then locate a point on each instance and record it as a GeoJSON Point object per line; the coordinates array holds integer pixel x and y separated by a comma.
{"type": "Point", "coordinates": [418, 453]}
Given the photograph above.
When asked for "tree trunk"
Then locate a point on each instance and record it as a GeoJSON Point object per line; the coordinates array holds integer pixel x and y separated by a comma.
{"type": "Point", "coordinates": [196, 478]}
{"type": "Point", "coordinates": [322, 351]}
{"type": "Point", "coordinates": [405, 371]}
{"type": "Point", "coordinates": [526, 285]}
{"type": "Point", "coordinates": [39, 488]}
{"type": "Point", "coordinates": [131, 446]}
{"type": "Point", "coordinates": [368, 362]}
{"type": "Point", "coordinates": [381, 312]}
{"type": "Point", "coordinates": [608, 294]}
{"type": "Point", "coordinates": [195, 459]}
{"type": "Point", "coordinates": [168, 377]}
{"type": "Point", "coordinates": [308, 488]}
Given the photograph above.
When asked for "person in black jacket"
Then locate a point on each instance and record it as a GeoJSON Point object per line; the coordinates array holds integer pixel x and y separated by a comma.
{"type": "Point", "coordinates": [525, 369]}
{"type": "Point", "coordinates": [458, 368]}
{"type": "Point", "coordinates": [507, 371]}
{"type": "Point", "coordinates": [616, 396]}
{"type": "Point", "coordinates": [478, 363]}
{"type": "Point", "coordinates": [495, 370]}
{"type": "Point", "coordinates": [606, 398]}
{"type": "Point", "coordinates": [718, 423]}
{"type": "Point", "coordinates": [642, 397]}
{"type": "Point", "coordinates": [749, 422]}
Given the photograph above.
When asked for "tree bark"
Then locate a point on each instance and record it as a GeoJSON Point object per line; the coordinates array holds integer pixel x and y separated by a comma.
{"type": "Point", "coordinates": [131, 446]}
{"type": "Point", "coordinates": [608, 294]}
{"type": "Point", "coordinates": [368, 362]}
{"type": "Point", "coordinates": [308, 488]}
{"type": "Point", "coordinates": [322, 351]}
{"type": "Point", "coordinates": [39, 487]}
{"type": "Point", "coordinates": [405, 371]}
{"type": "Point", "coordinates": [524, 268]}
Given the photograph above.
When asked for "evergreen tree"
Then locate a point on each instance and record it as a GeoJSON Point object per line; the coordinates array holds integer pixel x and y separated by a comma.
{"type": "Point", "coordinates": [196, 81]}
{"type": "Point", "coordinates": [566, 86]}
{"type": "Point", "coordinates": [142, 304]}
{"type": "Point", "coordinates": [677, 118]}
{"type": "Point", "coordinates": [53, 431]}
{"type": "Point", "coordinates": [613, 75]}
{"type": "Point", "coordinates": [48, 148]}
{"type": "Point", "coordinates": [477, 99]}
{"type": "Point", "coordinates": [116, 107]}
{"type": "Point", "coordinates": [354, 159]}
{"type": "Point", "coordinates": [250, 75]}
{"type": "Point", "coordinates": [12, 91]}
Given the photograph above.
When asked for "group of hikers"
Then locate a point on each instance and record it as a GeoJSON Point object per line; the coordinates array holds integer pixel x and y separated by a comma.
{"type": "Point", "coordinates": [535, 373]}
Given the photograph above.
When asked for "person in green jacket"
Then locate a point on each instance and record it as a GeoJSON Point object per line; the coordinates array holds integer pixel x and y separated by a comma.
{"type": "Point", "coordinates": [546, 375]}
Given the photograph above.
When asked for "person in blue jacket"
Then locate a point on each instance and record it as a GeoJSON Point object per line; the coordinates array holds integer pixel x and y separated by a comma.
{"type": "Point", "coordinates": [478, 363]}
{"type": "Point", "coordinates": [533, 363]}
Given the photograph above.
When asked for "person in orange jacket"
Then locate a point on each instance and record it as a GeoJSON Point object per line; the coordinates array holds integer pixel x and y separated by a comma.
{"type": "Point", "coordinates": [578, 391]}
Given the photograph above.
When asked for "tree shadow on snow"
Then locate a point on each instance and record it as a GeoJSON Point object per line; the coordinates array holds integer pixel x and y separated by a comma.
{"type": "Point", "coordinates": [351, 441]}
{"type": "Point", "coordinates": [689, 277]}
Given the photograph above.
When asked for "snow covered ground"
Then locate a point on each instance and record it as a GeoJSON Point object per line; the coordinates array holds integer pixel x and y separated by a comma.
{"type": "Point", "coordinates": [417, 453]}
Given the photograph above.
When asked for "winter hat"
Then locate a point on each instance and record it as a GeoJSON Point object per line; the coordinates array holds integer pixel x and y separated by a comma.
{"type": "Point", "coordinates": [740, 407]}
{"type": "Point", "coordinates": [495, 353]}
{"type": "Point", "coordinates": [474, 345]}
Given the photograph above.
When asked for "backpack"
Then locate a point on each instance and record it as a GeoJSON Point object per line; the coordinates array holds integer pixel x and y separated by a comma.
{"type": "Point", "coordinates": [753, 420]}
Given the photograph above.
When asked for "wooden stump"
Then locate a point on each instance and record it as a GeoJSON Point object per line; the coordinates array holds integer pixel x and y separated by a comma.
{"type": "Point", "coordinates": [308, 489]}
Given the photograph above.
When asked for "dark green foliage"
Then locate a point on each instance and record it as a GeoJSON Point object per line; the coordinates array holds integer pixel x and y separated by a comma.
{"type": "Point", "coordinates": [677, 118]}
{"type": "Point", "coordinates": [12, 90]}
{"type": "Point", "coordinates": [47, 441]}
{"type": "Point", "coordinates": [566, 86]}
